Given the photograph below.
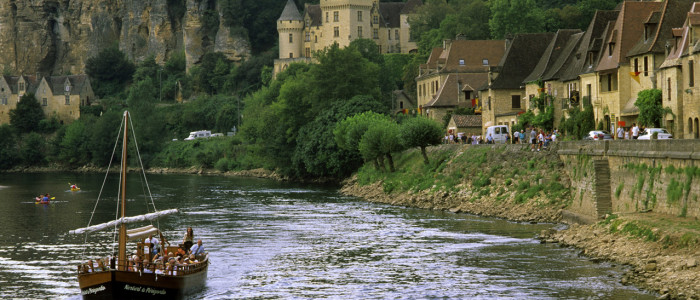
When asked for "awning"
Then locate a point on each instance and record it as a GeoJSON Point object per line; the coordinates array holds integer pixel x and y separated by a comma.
{"type": "Point", "coordinates": [630, 109]}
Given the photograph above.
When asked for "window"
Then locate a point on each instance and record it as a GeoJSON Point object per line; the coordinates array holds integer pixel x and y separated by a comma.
{"type": "Point", "coordinates": [636, 65]}
{"type": "Point", "coordinates": [327, 17]}
{"type": "Point", "coordinates": [375, 33]}
{"type": "Point", "coordinates": [308, 52]}
{"type": "Point", "coordinates": [691, 74]}
{"type": "Point", "coordinates": [610, 48]}
{"type": "Point", "coordinates": [401, 104]}
{"type": "Point", "coordinates": [515, 99]}
{"type": "Point", "coordinates": [307, 36]}
{"type": "Point", "coordinates": [44, 102]}
{"type": "Point", "coordinates": [388, 32]}
{"type": "Point", "coordinates": [646, 66]}
{"type": "Point", "coordinates": [67, 99]}
{"type": "Point", "coordinates": [291, 38]}
{"type": "Point", "coordinates": [609, 82]}
{"type": "Point", "coordinates": [359, 16]}
{"type": "Point", "coordinates": [336, 31]}
{"type": "Point", "coordinates": [590, 58]}
{"type": "Point", "coordinates": [21, 86]}
{"type": "Point", "coordinates": [291, 55]}
{"type": "Point", "coordinates": [375, 20]}
{"type": "Point", "coordinates": [4, 101]}
{"type": "Point", "coordinates": [485, 62]}
{"type": "Point", "coordinates": [668, 88]}
{"type": "Point", "coordinates": [461, 62]}
{"type": "Point", "coordinates": [315, 38]}
{"type": "Point", "coordinates": [336, 16]}
{"type": "Point", "coordinates": [359, 31]}
{"type": "Point", "coordinates": [396, 34]}
{"type": "Point", "coordinates": [489, 102]}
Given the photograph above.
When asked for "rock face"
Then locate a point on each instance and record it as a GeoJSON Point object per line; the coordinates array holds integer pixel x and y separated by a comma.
{"type": "Point", "coordinates": [55, 37]}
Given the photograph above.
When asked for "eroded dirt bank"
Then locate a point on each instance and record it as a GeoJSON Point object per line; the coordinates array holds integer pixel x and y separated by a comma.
{"type": "Point", "coordinates": [671, 271]}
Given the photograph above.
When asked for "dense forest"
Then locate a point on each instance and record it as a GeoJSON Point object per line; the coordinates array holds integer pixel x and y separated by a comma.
{"type": "Point", "coordinates": [310, 121]}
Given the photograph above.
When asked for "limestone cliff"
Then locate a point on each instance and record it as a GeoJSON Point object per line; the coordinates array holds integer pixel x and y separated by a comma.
{"type": "Point", "coordinates": [55, 37]}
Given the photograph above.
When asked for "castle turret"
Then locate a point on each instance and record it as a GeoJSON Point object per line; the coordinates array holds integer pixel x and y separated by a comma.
{"type": "Point", "coordinates": [290, 27]}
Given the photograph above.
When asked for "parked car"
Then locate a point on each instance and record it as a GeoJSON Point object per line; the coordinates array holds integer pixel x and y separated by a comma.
{"type": "Point", "coordinates": [598, 135]}
{"type": "Point", "coordinates": [662, 134]}
{"type": "Point", "coordinates": [202, 134]}
{"type": "Point", "coordinates": [499, 133]}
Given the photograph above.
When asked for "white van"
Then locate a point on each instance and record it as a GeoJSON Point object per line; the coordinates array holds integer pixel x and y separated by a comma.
{"type": "Point", "coordinates": [499, 133]}
{"type": "Point", "coordinates": [202, 134]}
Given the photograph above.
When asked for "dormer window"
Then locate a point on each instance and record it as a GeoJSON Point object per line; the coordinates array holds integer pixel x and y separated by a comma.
{"type": "Point", "coordinates": [611, 46]}
{"type": "Point", "coordinates": [589, 59]}
{"type": "Point", "coordinates": [461, 62]}
{"type": "Point", "coordinates": [21, 86]}
{"type": "Point", "coordinates": [375, 20]}
{"type": "Point", "coordinates": [646, 31]}
{"type": "Point", "coordinates": [485, 62]}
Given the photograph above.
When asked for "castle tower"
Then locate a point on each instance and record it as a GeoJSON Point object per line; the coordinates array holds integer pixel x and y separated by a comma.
{"type": "Point", "coordinates": [290, 27]}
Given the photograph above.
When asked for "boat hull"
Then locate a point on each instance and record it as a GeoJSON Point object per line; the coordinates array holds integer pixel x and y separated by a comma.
{"type": "Point", "coordinates": [134, 285]}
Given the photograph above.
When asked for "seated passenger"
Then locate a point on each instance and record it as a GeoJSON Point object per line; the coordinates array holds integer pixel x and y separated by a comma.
{"type": "Point", "coordinates": [181, 251]}
{"type": "Point", "coordinates": [198, 250]}
{"type": "Point", "coordinates": [147, 267]}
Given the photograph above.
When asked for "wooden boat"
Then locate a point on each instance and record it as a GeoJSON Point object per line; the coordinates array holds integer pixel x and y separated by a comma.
{"type": "Point", "coordinates": [120, 279]}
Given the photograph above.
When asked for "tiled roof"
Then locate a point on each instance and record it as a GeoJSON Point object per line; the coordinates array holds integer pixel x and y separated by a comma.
{"type": "Point", "coordinates": [671, 16]}
{"type": "Point", "coordinates": [469, 55]}
{"type": "Point", "coordinates": [463, 121]}
{"type": "Point", "coordinates": [450, 89]}
{"type": "Point", "coordinates": [290, 12]}
{"type": "Point", "coordinates": [626, 31]}
{"type": "Point", "coordinates": [314, 13]}
{"type": "Point", "coordinates": [57, 83]}
{"type": "Point", "coordinates": [555, 50]}
{"type": "Point", "coordinates": [566, 60]}
{"type": "Point", "coordinates": [590, 43]}
{"type": "Point", "coordinates": [520, 59]}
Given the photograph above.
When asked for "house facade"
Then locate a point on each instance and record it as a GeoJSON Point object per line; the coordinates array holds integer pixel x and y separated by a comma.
{"type": "Point", "coordinates": [453, 74]}
{"type": "Point", "coordinates": [58, 96]}
{"type": "Point", "coordinates": [341, 22]}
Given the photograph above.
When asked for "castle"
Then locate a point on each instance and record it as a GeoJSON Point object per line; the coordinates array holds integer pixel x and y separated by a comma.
{"type": "Point", "coordinates": [343, 21]}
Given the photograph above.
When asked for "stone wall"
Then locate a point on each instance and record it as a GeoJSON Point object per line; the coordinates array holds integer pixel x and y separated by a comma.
{"type": "Point", "coordinates": [659, 176]}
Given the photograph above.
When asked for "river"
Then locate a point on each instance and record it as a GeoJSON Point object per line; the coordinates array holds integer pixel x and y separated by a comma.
{"type": "Point", "coordinates": [276, 240]}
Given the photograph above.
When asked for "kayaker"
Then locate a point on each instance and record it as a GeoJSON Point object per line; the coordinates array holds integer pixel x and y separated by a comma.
{"type": "Point", "coordinates": [46, 198]}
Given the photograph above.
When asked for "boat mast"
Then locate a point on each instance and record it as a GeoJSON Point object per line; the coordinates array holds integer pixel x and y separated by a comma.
{"type": "Point", "coordinates": [122, 226]}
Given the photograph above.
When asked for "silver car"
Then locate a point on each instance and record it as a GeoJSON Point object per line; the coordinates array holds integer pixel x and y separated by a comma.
{"type": "Point", "coordinates": [662, 134]}
{"type": "Point", "coordinates": [598, 135]}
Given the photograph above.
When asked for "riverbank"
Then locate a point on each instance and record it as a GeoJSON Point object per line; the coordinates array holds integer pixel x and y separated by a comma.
{"type": "Point", "coordinates": [518, 184]}
{"type": "Point", "coordinates": [257, 173]}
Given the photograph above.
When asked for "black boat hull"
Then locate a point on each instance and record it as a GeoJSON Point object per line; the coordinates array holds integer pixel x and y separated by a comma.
{"type": "Point", "coordinates": [135, 285]}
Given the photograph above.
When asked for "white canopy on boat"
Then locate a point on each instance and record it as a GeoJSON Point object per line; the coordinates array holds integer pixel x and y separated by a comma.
{"type": "Point", "coordinates": [127, 220]}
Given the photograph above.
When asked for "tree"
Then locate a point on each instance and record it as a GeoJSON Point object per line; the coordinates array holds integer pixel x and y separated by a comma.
{"type": "Point", "coordinates": [27, 115]}
{"type": "Point", "coordinates": [514, 16]}
{"type": "Point", "coordinates": [380, 140]}
{"type": "Point", "coordinates": [421, 132]}
{"type": "Point", "coordinates": [32, 150]}
{"type": "Point", "coordinates": [8, 147]}
{"type": "Point", "coordinates": [651, 110]}
{"type": "Point", "coordinates": [110, 71]}
{"type": "Point", "coordinates": [579, 122]}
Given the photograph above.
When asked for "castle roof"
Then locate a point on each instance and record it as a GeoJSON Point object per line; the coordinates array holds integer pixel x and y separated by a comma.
{"type": "Point", "coordinates": [290, 12]}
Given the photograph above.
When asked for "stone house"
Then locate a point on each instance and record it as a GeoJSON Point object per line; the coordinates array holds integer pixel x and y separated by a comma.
{"type": "Point", "coordinates": [341, 22]}
{"type": "Point", "coordinates": [59, 96]}
{"type": "Point", "coordinates": [468, 125]}
{"type": "Point", "coordinates": [677, 75]}
{"type": "Point", "coordinates": [616, 90]}
{"type": "Point", "coordinates": [453, 73]}
{"type": "Point", "coordinates": [548, 72]}
{"type": "Point", "coordinates": [503, 98]}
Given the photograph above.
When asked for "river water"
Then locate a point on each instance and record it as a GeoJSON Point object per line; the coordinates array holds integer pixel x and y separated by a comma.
{"type": "Point", "coordinates": [273, 240]}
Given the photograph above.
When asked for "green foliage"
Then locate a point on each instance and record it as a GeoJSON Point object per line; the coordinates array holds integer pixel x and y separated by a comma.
{"type": "Point", "coordinates": [579, 123]}
{"type": "Point", "coordinates": [674, 191]}
{"type": "Point", "coordinates": [514, 16]}
{"type": "Point", "coordinates": [27, 115]}
{"type": "Point", "coordinates": [8, 147]}
{"type": "Point", "coordinates": [349, 132]}
{"type": "Point", "coordinates": [421, 132]}
{"type": "Point", "coordinates": [651, 110]}
{"type": "Point", "coordinates": [32, 149]}
{"type": "Point", "coordinates": [74, 144]}
{"type": "Point", "coordinates": [110, 71]}
{"type": "Point", "coordinates": [618, 190]}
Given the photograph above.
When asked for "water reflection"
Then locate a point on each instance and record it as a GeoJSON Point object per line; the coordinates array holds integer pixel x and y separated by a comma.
{"type": "Point", "coordinates": [280, 240]}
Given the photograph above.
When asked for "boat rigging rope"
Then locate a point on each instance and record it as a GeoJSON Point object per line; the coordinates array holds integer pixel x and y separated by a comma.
{"type": "Point", "coordinates": [82, 255]}
{"type": "Point", "coordinates": [143, 171]}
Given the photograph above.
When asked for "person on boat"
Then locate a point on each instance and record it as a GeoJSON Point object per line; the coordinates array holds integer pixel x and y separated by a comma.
{"type": "Point", "coordinates": [74, 187]}
{"type": "Point", "coordinates": [147, 266]}
{"type": "Point", "coordinates": [198, 250]}
{"type": "Point", "coordinates": [151, 243]}
{"type": "Point", "coordinates": [101, 265]}
{"type": "Point", "coordinates": [189, 238]}
{"type": "Point", "coordinates": [44, 199]}
{"type": "Point", "coordinates": [181, 251]}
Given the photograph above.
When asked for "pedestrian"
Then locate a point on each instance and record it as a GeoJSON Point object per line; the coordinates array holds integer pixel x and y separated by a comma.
{"type": "Point", "coordinates": [635, 131]}
{"type": "Point", "coordinates": [620, 133]}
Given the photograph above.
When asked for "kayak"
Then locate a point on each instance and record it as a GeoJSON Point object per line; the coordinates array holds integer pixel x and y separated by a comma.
{"type": "Point", "coordinates": [74, 189]}
{"type": "Point", "coordinates": [38, 200]}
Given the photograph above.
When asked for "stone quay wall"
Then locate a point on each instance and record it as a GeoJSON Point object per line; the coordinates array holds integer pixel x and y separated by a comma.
{"type": "Point", "coordinates": [633, 176]}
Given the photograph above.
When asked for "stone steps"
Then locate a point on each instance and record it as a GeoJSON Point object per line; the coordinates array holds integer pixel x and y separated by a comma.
{"type": "Point", "coordinates": [602, 190]}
